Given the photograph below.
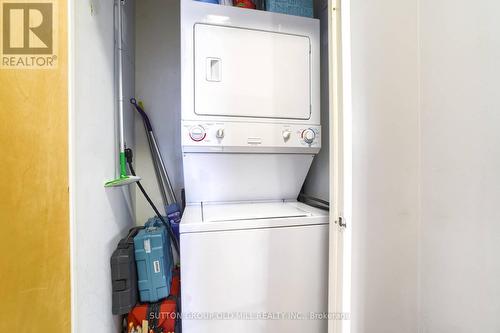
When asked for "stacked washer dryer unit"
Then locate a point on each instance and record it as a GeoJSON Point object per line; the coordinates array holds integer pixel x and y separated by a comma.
{"type": "Point", "coordinates": [250, 130]}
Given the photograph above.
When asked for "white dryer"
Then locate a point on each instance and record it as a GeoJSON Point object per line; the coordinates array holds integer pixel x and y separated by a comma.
{"type": "Point", "coordinates": [253, 259]}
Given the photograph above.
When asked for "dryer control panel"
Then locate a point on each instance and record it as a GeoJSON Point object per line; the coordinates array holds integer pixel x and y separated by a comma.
{"type": "Point", "coordinates": [250, 137]}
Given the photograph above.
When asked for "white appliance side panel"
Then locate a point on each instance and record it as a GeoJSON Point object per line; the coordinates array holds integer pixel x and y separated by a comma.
{"type": "Point", "coordinates": [251, 73]}
{"type": "Point", "coordinates": [216, 177]}
{"type": "Point", "coordinates": [252, 272]}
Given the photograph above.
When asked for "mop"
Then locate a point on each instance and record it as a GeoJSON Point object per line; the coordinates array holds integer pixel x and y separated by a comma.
{"type": "Point", "coordinates": [124, 178]}
{"type": "Point", "coordinates": [166, 189]}
{"type": "Point", "coordinates": [172, 208]}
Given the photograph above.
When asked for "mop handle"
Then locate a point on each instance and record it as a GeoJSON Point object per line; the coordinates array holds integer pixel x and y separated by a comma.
{"type": "Point", "coordinates": [120, 77]}
{"type": "Point", "coordinates": [157, 152]}
{"type": "Point", "coordinates": [143, 114]}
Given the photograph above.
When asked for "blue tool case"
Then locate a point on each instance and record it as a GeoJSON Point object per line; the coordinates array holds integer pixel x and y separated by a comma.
{"type": "Point", "coordinates": [153, 256]}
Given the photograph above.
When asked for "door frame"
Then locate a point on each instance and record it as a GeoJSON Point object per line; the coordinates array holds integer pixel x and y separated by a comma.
{"type": "Point", "coordinates": [340, 166]}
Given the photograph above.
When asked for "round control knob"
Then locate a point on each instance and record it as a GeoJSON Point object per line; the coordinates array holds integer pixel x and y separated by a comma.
{"type": "Point", "coordinates": [286, 134]}
{"type": "Point", "coordinates": [220, 133]}
{"type": "Point", "coordinates": [197, 133]}
{"type": "Point", "coordinates": [308, 135]}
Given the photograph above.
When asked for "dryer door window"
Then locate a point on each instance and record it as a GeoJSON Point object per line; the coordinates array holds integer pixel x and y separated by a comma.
{"type": "Point", "coordinates": [251, 73]}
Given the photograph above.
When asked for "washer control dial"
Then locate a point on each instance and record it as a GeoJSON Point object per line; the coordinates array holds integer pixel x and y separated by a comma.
{"type": "Point", "coordinates": [286, 134]}
{"type": "Point", "coordinates": [197, 133]}
{"type": "Point", "coordinates": [308, 135]}
{"type": "Point", "coordinates": [220, 133]}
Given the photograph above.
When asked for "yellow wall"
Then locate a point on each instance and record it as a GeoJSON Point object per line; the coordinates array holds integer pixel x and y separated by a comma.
{"type": "Point", "coordinates": [34, 213]}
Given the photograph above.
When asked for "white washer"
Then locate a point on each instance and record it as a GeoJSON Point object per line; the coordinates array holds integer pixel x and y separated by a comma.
{"type": "Point", "coordinates": [257, 267]}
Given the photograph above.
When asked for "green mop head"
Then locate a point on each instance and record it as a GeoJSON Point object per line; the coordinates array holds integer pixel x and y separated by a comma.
{"type": "Point", "coordinates": [124, 179]}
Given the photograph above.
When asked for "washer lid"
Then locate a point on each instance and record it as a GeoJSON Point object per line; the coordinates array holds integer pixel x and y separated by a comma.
{"type": "Point", "coordinates": [249, 215]}
{"type": "Point", "coordinates": [250, 211]}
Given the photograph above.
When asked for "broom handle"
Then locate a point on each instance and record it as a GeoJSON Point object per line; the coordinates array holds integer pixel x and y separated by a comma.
{"type": "Point", "coordinates": [120, 90]}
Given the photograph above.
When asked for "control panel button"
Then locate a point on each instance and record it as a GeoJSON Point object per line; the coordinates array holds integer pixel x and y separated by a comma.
{"type": "Point", "coordinates": [220, 133]}
{"type": "Point", "coordinates": [197, 133]}
{"type": "Point", "coordinates": [286, 134]}
{"type": "Point", "coordinates": [308, 135]}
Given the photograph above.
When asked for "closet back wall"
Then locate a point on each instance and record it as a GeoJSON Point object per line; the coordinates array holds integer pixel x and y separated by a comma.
{"type": "Point", "coordinates": [158, 83]}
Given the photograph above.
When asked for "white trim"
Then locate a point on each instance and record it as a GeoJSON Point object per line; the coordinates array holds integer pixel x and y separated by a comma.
{"type": "Point", "coordinates": [340, 162]}
{"type": "Point", "coordinates": [345, 37]}
{"type": "Point", "coordinates": [420, 319]}
{"type": "Point", "coordinates": [71, 156]}
{"type": "Point", "coordinates": [336, 167]}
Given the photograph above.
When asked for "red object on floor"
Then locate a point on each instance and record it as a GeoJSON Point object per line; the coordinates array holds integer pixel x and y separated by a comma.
{"type": "Point", "coordinates": [167, 314]}
{"type": "Point", "coordinates": [165, 317]}
{"type": "Point", "coordinates": [244, 4]}
{"type": "Point", "coordinates": [175, 288]}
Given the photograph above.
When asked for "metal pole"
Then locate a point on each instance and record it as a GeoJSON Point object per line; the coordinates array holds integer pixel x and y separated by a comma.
{"type": "Point", "coordinates": [159, 178]}
{"type": "Point", "coordinates": [120, 76]}
{"type": "Point", "coordinates": [170, 189]}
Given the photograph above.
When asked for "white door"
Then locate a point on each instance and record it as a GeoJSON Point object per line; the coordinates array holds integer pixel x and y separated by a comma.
{"type": "Point", "coordinates": [251, 73]}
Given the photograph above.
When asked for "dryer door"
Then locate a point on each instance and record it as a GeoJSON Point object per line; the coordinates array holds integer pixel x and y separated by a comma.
{"type": "Point", "coordinates": [251, 73]}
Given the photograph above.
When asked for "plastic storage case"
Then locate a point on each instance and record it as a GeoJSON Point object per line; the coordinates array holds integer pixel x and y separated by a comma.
{"type": "Point", "coordinates": [153, 255]}
{"type": "Point", "coordinates": [124, 275]}
{"type": "Point", "coordinates": [166, 315]}
{"type": "Point", "coordinates": [291, 7]}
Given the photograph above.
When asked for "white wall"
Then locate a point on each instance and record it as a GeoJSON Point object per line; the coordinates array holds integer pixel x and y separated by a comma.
{"type": "Point", "coordinates": [426, 237]}
{"type": "Point", "coordinates": [99, 216]}
{"type": "Point", "coordinates": [385, 166]}
{"type": "Point", "coordinates": [158, 85]}
{"type": "Point", "coordinates": [460, 130]}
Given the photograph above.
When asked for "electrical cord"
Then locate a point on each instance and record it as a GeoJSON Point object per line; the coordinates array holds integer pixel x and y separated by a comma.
{"type": "Point", "coordinates": [310, 198]}
{"type": "Point", "coordinates": [314, 202]}
{"type": "Point", "coordinates": [129, 157]}
{"type": "Point", "coordinates": [318, 206]}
